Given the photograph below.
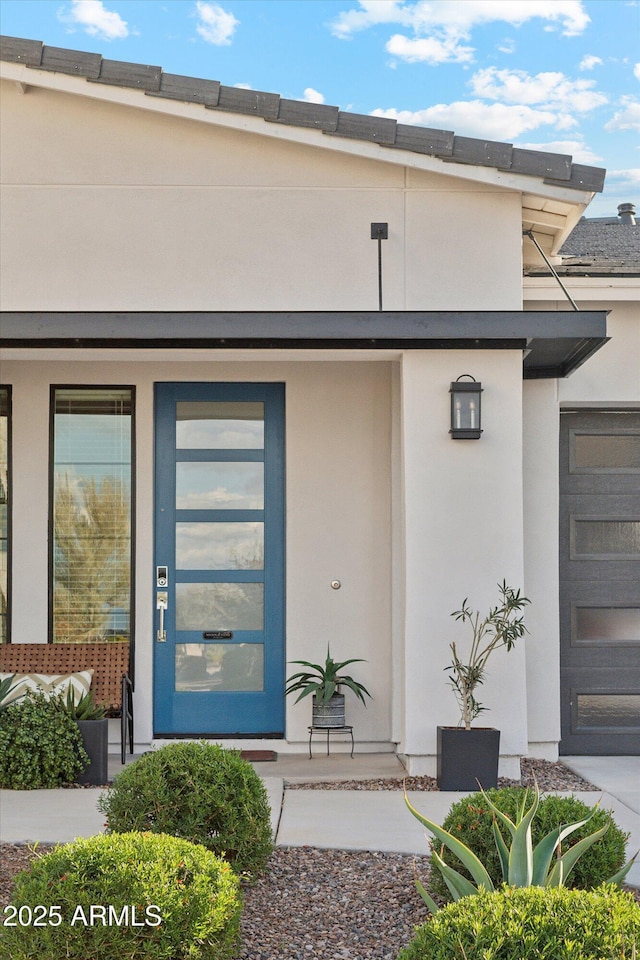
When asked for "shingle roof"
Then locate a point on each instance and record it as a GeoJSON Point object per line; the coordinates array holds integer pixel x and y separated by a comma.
{"type": "Point", "coordinates": [555, 168]}
{"type": "Point", "coordinates": [600, 246]}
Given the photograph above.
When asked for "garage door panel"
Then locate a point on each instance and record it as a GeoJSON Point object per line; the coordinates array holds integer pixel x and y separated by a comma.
{"type": "Point", "coordinates": [600, 583]}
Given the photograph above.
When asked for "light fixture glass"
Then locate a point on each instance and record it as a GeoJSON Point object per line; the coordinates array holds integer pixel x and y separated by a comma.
{"type": "Point", "coordinates": [465, 408]}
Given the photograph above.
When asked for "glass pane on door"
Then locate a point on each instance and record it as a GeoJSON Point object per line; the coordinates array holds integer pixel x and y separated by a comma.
{"type": "Point", "coordinates": [219, 667]}
{"type": "Point", "coordinates": [220, 545]}
{"type": "Point", "coordinates": [219, 485]}
{"type": "Point", "coordinates": [606, 452]}
{"type": "Point", "coordinates": [219, 426]}
{"type": "Point", "coordinates": [219, 606]}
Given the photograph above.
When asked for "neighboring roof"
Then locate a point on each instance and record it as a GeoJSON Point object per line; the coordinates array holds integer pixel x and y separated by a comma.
{"type": "Point", "coordinates": [554, 168]}
{"type": "Point", "coordinates": [554, 343]}
{"type": "Point", "coordinates": [600, 246]}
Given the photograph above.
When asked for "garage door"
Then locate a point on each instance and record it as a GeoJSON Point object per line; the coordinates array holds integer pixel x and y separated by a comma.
{"type": "Point", "coordinates": [600, 582]}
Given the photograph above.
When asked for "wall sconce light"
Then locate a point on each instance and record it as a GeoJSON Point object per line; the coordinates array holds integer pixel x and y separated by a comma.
{"type": "Point", "coordinates": [465, 408]}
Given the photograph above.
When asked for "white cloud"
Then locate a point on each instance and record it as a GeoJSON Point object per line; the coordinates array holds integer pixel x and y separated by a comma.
{"type": "Point", "coordinates": [440, 28]}
{"type": "Point", "coordinates": [626, 119]}
{"type": "Point", "coordinates": [589, 62]}
{"type": "Point", "coordinates": [369, 14]}
{"type": "Point", "coordinates": [628, 180]}
{"type": "Point", "coordinates": [577, 149]}
{"type": "Point", "coordinates": [460, 15]}
{"type": "Point", "coordinates": [507, 46]}
{"type": "Point", "coordinates": [216, 25]}
{"type": "Point", "coordinates": [312, 96]}
{"type": "Point", "coordinates": [428, 50]}
{"type": "Point", "coordinates": [473, 118]}
{"type": "Point", "coordinates": [636, 71]}
{"type": "Point", "coordinates": [95, 19]}
{"type": "Point", "coordinates": [550, 89]}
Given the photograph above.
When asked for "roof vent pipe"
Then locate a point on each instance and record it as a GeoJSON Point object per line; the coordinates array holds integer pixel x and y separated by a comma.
{"type": "Point", "coordinates": [626, 212]}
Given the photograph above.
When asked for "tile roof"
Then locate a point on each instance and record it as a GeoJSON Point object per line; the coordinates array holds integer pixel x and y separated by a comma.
{"type": "Point", "coordinates": [556, 169]}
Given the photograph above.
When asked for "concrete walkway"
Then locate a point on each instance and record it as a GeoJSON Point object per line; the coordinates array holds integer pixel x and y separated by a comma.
{"type": "Point", "coordinates": [338, 819]}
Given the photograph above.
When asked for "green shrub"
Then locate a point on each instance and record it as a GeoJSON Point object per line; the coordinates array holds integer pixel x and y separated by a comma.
{"type": "Point", "coordinates": [138, 896]}
{"type": "Point", "coordinates": [470, 819]}
{"type": "Point", "coordinates": [40, 745]}
{"type": "Point", "coordinates": [200, 792]}
{"type": "Point", "coordinates": [532, 923]}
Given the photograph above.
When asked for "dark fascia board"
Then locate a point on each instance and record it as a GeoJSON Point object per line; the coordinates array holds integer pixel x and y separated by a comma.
{"type": "Point", "coordinates": [554, 343]}
{"type": "Point", "coordinates": [556, 169]}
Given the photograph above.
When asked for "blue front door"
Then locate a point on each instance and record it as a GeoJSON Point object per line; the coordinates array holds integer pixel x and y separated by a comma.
{"type": "Point", "coordinates": [219, 560]}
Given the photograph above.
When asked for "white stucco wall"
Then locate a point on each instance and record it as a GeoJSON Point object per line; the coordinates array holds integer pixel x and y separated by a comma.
{"type": "Point", "coordinates": [541, 580]}
{"type": "Point", "coordinates": [113, 207]}
{"type": "Point", "coordinates": [338, 514]}
{"type": "Point", "coordinates": [463, 529]}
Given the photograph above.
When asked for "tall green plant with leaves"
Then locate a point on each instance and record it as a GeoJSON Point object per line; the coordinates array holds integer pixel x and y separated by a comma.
{"type": "Point", "coordinates": [85, 708]}
{"type": "Point", "coordinates": [503, 625]}
{"type": "Point", "coordinates": [523, 865]}
{"type": "Point", "coordinates": [324, 679]}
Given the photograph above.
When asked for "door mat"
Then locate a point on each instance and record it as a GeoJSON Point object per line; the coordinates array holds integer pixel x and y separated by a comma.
{"type": "Point", "coordinates": [259, 756]}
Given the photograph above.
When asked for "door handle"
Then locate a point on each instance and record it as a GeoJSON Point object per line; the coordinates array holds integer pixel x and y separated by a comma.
{"type": "Point", "coordinates": [161, 606]}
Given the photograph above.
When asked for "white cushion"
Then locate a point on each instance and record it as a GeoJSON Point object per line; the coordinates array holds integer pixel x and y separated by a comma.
{"type": "Point", "coordinates": [52, 685]}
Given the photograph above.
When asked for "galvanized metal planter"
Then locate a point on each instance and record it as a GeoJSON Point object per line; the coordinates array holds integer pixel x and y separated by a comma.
{"type": "Point", "coordinates": [329, 713]}
{"type": "Point", "coordinates": [467, 758]}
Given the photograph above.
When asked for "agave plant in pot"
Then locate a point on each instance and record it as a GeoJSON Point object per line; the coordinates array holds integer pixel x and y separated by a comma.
{"type": "Point", "coordinates": [323, 683]}
{"type": "Point", "coordinates": [94, 731]}
{"type": "Point", "coordinates": [469, 755]}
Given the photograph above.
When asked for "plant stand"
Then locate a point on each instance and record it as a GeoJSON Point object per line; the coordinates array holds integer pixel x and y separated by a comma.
{"type": "Point", "coordinates": [329, 730]}
{"type": "Point", "coordinates": [468, 757]}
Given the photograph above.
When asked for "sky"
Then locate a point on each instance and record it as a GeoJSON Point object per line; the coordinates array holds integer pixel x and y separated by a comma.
{"type": "Point", "coordinates": [557, 75]}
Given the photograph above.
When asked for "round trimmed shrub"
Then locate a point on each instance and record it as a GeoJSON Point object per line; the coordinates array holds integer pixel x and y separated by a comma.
{"type": "Point", "coordinates": [470, 820]}
{"type": "Point", "coordinates": [200, 792]}
{"type": "Point", "coordinates": [529, 923]}
{"type": "Point", "coordinates": [40, 745]}
{"type": "Point", "coordinates": [141, 896]}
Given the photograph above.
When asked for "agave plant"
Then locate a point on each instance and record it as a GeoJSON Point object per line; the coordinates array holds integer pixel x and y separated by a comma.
{"type": "Point", "coordinates": [6, 686]}
{"type": "Point", "coordinates": [85, 708]}
{"type": "Point", "coordinates": [323, 680]}
{"type": "Point", "coordinates": [523, 865]}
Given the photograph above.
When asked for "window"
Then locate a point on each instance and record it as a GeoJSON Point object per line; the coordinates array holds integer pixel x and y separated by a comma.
{"type": "Point", "coordinates": [5, 512]}
{"type": "Point", "coordinates": [91, 504]}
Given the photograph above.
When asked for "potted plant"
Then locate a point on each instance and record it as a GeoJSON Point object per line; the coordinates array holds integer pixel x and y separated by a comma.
{"type": "Point", "coordinates": [323, 682]}
{"type": "Point", "coordinates": [468, 756]}
{"type": "Point", "coordinates": [94, 731]}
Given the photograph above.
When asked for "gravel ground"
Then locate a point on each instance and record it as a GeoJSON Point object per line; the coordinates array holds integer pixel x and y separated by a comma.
{"type": "Point", "coordinates": [548, 776]}
{"type": "Point", "coordinates": [331, 904]}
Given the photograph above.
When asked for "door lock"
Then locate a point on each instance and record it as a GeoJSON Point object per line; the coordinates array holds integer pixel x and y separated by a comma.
{"type": "Point", "coordinates": [161, 605]}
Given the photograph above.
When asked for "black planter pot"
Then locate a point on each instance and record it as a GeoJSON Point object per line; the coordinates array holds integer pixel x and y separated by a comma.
{"type": "Point", "coordinates": [95, 740]}
{"type": "Point", "coordinates": [468, 757]}
{"type": "Point", "coordinates": [329, 714]}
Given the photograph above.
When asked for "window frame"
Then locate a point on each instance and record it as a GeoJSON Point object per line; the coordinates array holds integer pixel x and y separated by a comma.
{"type": "Point", "coordinates": [53, 388]}
{"type": "Point", "coordinates": [8, 388]}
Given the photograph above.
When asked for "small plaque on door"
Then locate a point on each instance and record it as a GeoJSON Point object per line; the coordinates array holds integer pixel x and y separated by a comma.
{"type": "Point", "coordinates": [217, 635]}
